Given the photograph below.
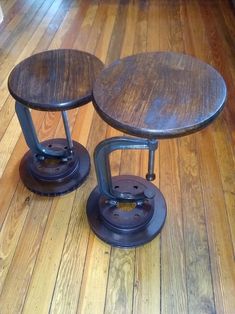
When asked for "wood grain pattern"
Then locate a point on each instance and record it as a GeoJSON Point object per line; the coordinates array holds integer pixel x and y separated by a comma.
{"type": "Point", "coordinates": [225, 159]}
{"type": "Point", "coordinates": [206, 139]}
{"type": "Point", "coordinates": [120, 288]}
{"type": "Point", "coordinates": [91, 300]}
{"type": "Point", "coordinates": [34, 44]}
{"type": "Point", "coordinates": [50, 262]}
{"type": "Point", "coordinates": [147, 289]}
{"type": "Point", "coordinates": [219, 57]}
{"type": "Point", "coordinates": [159, 94]}
{"type": "Point", "coordinates": [46, 130]}
{"type": "Point", "coordinates": [197, 259]}
{"type": "Point", "coordinates": [57, 79]}
{"type": "Point", "coordinates": [72, 262]}
{"type": "Point", "coordinates": [173, 272]}
{"type": "Point", "coordinates": [120, 283]}
{"type": "Point", "coordinates": [219, 237]}
{"type": "Point", "coordinates": [10, 178]}
{"type": "Point", "coordinates": [41, 286]}
{"type": "Point", "coordinates": [38, 300]}
{"type": "Point", "coordinates": [172, 255]}
{"type": "Point", "coordinates": [8, 106]}
{"type": "Point", "coordinates": [25, 257]}
{"type": "Point", "coordinates": [25, 200]}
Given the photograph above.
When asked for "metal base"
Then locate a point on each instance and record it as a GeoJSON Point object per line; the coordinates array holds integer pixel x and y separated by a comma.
{"type": "Point", "coordinates": [54, 176]}
{"type": "Point", "coordinates": [127, 224]}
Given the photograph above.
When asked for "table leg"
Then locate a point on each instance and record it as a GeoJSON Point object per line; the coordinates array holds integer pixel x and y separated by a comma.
{"type": "Point", "coordinates": [55, 166]}
{"type": "Point", "coordinates": [125, 211]}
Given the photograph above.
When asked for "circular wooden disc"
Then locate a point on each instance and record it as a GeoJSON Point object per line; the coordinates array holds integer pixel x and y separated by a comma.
{"type": "Point", "coordinates": [159, 94]}
{"type": "Point", "coordinates": [55, 80]}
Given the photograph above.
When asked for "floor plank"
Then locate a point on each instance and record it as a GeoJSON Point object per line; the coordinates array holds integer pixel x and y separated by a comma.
{"type": "Point", "coordinates": [220, 244]}
{"type": "Point", "coordinates": [147, 290]}
{"type": "Point", "coordinates": [173, 271]}
{"type": "Point", "coordinates": [197, 259]}
{"type": "Point", "coordinates": [38, 300]}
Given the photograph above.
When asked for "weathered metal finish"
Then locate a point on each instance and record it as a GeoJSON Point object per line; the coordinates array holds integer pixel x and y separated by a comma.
{"type": "Point", "coordinates": [54, 176]}
{"type": "Point", "coordinates": [27, 126]}
{"type": "Point", "coordinates": [153, 145]}
{"type": "Point", "coordinates": [54, 167]}
{"type": "Point", "coordinates": [106, 206]}
{"type": "Point", "coordinates": [102, 165]}
{"type": "Point", "coordinates": [123, 228]}
{"type": "Point", "coordinates": [67, 129]}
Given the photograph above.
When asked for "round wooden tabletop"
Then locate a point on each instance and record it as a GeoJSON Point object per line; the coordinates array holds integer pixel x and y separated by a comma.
{"type": "Point", "coordinates": [55, 80]}
{"type": "Point", "coordinates": [159, 94]}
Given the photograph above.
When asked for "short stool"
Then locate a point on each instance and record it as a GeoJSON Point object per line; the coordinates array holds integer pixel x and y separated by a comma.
{"type": "Point", "coordinates": [153, 96]}
{"type": "Point", "coordinates": [55, 80]}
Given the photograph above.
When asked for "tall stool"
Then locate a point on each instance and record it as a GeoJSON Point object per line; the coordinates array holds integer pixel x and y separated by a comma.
{"type": "Point", "coordinates": [153, 96]}
{"type": "Point", "coordinates": [56, 80]}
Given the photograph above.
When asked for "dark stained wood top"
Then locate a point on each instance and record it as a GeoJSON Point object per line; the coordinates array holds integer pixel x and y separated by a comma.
{"type": "Point", "coordinates": [55, 80]}
{"type": "Point", "coordinates": [159, 94]}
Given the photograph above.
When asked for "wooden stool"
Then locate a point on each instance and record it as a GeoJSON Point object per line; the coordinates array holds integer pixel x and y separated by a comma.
{"type": "Point", "coordinates": [56, 80]}
{"type": "Point", "coordinates": [155, 96]}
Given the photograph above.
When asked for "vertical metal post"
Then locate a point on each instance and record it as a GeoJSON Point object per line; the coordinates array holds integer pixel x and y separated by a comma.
{"type": "Point", "coordinates": [30, 135]}
{"type": "Point", "coordinates": [67, 129]}
{"type": "Point", "coordinates": [28, 128]}
{"type": "Point", "coordinates": [150, 176]}
{"type": "Point", "coordinates": [153, 144]}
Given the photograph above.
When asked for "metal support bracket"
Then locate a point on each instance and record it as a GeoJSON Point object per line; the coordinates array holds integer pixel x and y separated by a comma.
{"type": "Point", "coordinates": [102, 165]}
{"type": "Point", "coordinates": [26, 122]}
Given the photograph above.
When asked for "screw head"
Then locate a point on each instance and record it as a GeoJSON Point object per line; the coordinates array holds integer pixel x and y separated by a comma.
{"type": "Point", "coordinates": [149, 193]}
{"type": "Point", "coordinates": [150, 176]}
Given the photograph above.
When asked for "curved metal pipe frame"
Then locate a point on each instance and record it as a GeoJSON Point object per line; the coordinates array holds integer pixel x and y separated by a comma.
{"type": "Point", "coordinates": [102, 165]}
{"type": "Point", "coordinates": [30, 135]}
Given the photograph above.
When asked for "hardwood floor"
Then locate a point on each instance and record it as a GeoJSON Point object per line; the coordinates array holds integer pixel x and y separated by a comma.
{"type": "Point", "coordinates": [50, 261]}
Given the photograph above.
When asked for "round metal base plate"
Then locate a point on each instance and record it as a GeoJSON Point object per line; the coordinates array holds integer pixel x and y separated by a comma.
{"type": "Point", "coordinates": [122, 227]}
{"type": "Point", "coordinates": [53, 176]}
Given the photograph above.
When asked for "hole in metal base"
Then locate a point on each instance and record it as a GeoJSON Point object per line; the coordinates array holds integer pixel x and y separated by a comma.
{"type": "Point", "coordinates": [126, 207]}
